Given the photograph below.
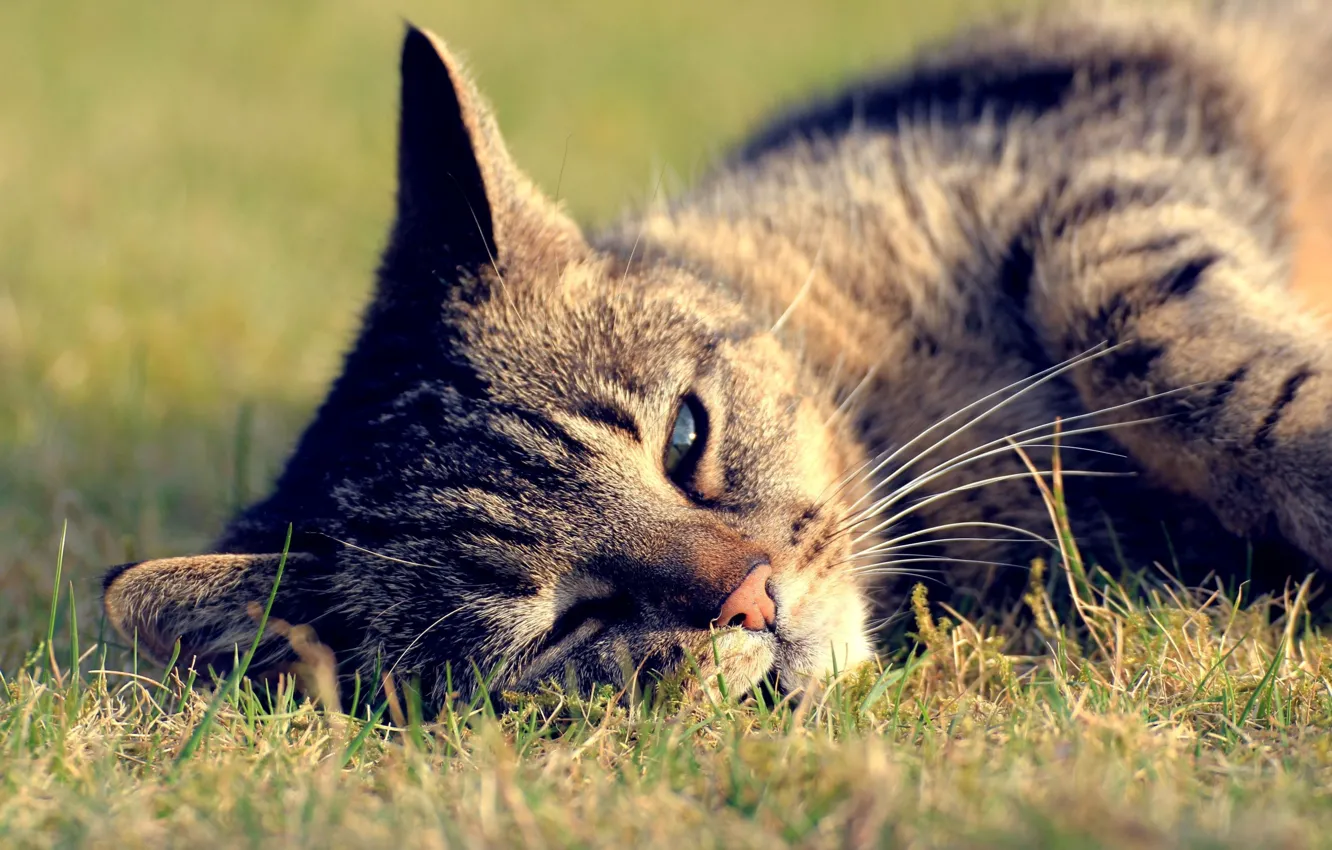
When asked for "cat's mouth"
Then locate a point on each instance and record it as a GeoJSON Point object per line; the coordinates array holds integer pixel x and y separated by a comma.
{"type": "Point", "coordinates": [814, 629]}
{"type": "Point", "coordinates": [820, 629]}
{"type": "Point", "coordinates": [736, 659]}
{"type": "Point", "coordinates": [789, 663]}
{"type": "Point", "coordinates": [742, 656]}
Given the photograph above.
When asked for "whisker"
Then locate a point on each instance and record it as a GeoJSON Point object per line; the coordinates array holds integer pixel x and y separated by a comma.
{"type": "Point", "coordinates": [629, 263]}
{"type": "Point", "coordinates": [879, 507]}
{"type": "Point", "coordinates": [417, 639]}
{"type": "Point", "coordinates": [893, 542]}
{"type": "Point", "coordinates": [884, 568]}
{"type": "Point", "coordinates": [453, 584]}
{"type": "Point", "coordinates": [1000, 446]}
{"type": "Point", "coordinates": [914, 559]}
{"type": "Point", "coordinates": [855, 391]}
{"type": "Point", "coordinates": [1031, 433]}
{"type": "Point", "coordinates": [962, 460]}
{"type": "Point", "coordinates": [882, 623]}
{"type": "Point", "coordinates": [878, 550]}
{"type": "Point", "coordinates": [1031, 382]}
{"type": "Point", "coordinates": [350, 545]}
{"type": "Point", "coordinates": [973, 485]}
{"type": "Point", "coordinates": [846, 478]}
{"type": "Point", "coordinates": [835, 375]}
{"type": "Point", "coordinates": [804, 287]}
{"type": "Point", "coordinates": [923, 575]}
{"type": "Point", "coordinates": [885, 457]}
{"type": "Point", "coordinates": [1085, 449]}
{"type": "Point", "coordinates": [971, 524]}
{"type": "Point", "coordinates": [375, 619]}
{"type": "Point", "coordinates": [850, 474]}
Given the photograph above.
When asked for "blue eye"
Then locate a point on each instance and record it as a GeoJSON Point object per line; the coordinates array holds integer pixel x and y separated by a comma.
{"type": "Point", "coordinates": [686, 442]}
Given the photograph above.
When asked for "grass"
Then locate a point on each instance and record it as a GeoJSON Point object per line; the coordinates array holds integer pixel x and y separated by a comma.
{"type": "Point", "coordinates": [1201, 723]}
{"type": "Point", "coordinates": [194, 196]}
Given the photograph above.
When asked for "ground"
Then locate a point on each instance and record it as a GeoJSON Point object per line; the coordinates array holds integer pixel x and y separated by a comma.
{"type": "Point", "coordinates": [194, 194]}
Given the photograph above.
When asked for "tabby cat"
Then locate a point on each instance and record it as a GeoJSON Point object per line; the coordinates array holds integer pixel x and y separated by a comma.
{"type": "Point", "coordinates": [724, 428]}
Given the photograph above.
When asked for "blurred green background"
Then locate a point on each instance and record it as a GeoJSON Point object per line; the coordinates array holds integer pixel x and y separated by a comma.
{"type": "Point", "coordinates": [193, 194]}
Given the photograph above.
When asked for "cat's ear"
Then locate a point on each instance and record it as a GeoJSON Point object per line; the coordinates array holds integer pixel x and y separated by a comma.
{"type": "Point", "coordinates": [462, 203]}
{"type": "Point", "coordinates": [205, 602]}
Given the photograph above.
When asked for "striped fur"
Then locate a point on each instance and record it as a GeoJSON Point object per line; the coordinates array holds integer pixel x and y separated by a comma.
{"type": "Point", "coordinates": [484, 483]}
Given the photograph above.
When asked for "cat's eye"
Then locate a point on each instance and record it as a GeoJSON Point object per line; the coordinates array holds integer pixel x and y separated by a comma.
{"type": "Point", "coordinates": [688, 438]}
{"type": "Point", "coordinates": [605, 611]}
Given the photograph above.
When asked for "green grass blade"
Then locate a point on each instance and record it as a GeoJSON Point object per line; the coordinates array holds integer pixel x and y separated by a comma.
{"type": "Point", "coordinates": [1211, 671]}
{"type": "Point", "coordinates": [238, 671]}
{"type": "Point", "coordinates": [888, 677]}
{"type": "Point", "coordinates": [1268, 678]}
{"type": "Point", "coordinates": [73, 653]}
{"type": "Point", "coordinates": [55, 599]}
{"type": "Point", "coordinates": [355, 744]}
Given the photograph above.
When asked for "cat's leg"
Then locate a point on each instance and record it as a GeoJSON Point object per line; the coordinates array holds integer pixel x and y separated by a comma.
{"type": "Point", "coordinates": [1181, 266]}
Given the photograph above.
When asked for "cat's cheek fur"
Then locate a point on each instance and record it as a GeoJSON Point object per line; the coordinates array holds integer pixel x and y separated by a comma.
{"type": "Point", "coordinates": [822, 621]}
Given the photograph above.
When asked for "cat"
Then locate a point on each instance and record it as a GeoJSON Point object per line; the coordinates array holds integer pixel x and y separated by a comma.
{"type": "Point", "coordinates": [724, 431]}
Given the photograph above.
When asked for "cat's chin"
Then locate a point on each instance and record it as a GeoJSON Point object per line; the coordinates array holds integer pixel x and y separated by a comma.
{"type": "Point", "coordinates": [802, 668]}
{"type": "Point", "coordinates": [820, 631]}
{"type": "Point", "coordinates": [735, 661]}
{"type": "Point", "coordinates": [793, 663]}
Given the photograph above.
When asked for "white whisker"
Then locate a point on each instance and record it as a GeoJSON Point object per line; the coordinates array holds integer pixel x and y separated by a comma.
{"type": "Point", "coordinates": [894, 542]}
{"type": "Point", "coordinates": [884, 622]}
{"type": "Point", "coordinates": [973, 485]}
{"type": "Point", "coordinates": [1031, 382]}
{"type": "Point", "coordinates": [804, 288]}
{"type": "Point", "coordinates": [1086, 449]}
{"type": "Point", "coordinates": [1030, 433]}
{"type": "Point", "coordinates": [379, 554]}
{"type": "Point", "coordinates": [991, 449]}
{"type": "Point", "coordinates": [886, 567]}
{"type": "Point", "coordinates": [969, 524]}
{"type": "Point", "coordinates": [923, 575]}
{"type": "Point", "coordinates": [962, 460]}
{"type": "Point", "coordinates": [898, 544]}
{"type": "Point", "coordinates": [400, 602]}
{"type": "Point", "coordinates": [629, 263]}
{"type": "Point", "coordinates": [878, 550]}
{"type": "Point", "coordinates": [846, 403]}
{"type": "Point", "coordinates": [417, 639]}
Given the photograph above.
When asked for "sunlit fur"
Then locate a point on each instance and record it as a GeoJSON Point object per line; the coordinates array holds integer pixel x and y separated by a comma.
{"type": "Point", "coordinates": [1122, 193]}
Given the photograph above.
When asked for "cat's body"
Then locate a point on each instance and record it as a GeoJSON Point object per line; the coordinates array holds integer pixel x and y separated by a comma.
{"type": "Point", "coordinates": [492, 479]}
{"type": "Point", "coordinates": [952, 207]}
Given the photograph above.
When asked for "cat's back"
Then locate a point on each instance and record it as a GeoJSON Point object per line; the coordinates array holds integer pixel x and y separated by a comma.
{"type": "Point", "coordinates": [1266, 65]}
{"type": "Point", "coordinates": [990, 114]}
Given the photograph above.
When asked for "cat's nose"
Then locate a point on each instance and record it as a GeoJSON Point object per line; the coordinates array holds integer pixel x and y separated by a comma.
{"type": "Point", "coordinates": [749, 605]}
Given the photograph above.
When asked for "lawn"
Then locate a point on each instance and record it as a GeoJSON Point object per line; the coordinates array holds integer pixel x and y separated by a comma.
{"type": "Point", "coordinates": [193, 197]}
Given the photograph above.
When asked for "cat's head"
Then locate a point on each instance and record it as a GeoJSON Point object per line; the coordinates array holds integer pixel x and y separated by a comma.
{"type": "Point", "coordinates": [541, 458]}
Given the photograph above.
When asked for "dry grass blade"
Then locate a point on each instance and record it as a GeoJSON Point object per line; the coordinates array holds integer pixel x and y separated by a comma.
{"type": "Point", "coordinates": [1074, 570]}
{"type": "Point", "coordinates": [222, 170]}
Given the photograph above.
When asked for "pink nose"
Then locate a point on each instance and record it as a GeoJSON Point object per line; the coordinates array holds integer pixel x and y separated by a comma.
{"type": "Point", "coordinates": [749, 605]}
